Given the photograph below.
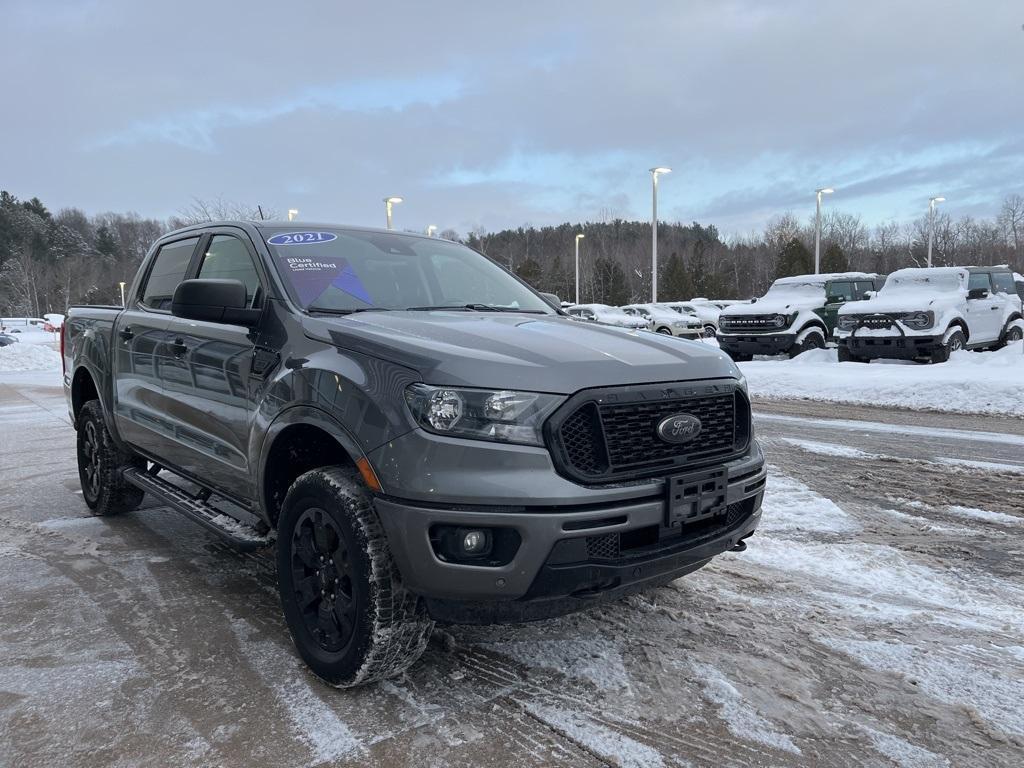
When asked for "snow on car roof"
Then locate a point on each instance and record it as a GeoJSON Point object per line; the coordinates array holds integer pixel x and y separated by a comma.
{"type": "Point", "coordinates": [911, 273]}
{"type": "Point", "coordinates": [826, 277]}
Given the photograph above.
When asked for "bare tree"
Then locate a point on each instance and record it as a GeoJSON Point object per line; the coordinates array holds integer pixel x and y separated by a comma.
{"type": "Point", "coordinates": [219, 209]}
{"type": "Point", "coordinates": [1011, 219]}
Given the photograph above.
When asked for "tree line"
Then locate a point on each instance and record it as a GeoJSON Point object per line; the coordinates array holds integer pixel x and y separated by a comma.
{"type": "Point", "coordinates": [49, 261]}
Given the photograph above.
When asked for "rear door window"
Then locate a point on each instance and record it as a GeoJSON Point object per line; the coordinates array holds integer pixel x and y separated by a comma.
{"type": "Point", "coordinates": [863, 286]}
{"type": "Point", "coordinates": [169, 268]}
{"type": "Point", "coordinates": [843, 290]}
{"type": "Point", "coordinates": [1003, 282]}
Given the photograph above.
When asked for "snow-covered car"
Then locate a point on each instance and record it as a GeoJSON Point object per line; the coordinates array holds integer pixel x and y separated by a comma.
{"type": "Point", "coordinates": [664, 320]}
{"type": "Point", "coordinates": [1018, 280]}
{"type": "Point", "coordinates": [927, 313]}
{"type": "Point", "coordinates": [605, 315]}
{"type": "Point", "coordinates": [6, 340]}
{"type": "Point", "coordinates": [795, 315]}
{"type": "Point", "coordinates": [705, 311]}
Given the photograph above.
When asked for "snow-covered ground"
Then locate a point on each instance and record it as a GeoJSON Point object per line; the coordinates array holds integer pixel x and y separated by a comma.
{"type": "Point", "coordinates": [971, 382]}
{"type": "Point", "coordinates": [29, 357]}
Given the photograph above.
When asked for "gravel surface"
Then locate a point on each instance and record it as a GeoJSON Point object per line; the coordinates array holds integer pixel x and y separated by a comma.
{"type": "Point", "coordinates": [875, 620]}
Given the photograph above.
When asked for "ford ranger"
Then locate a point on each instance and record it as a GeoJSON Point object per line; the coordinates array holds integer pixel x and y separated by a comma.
{"type": "Point", "coordinates": [419, 434]}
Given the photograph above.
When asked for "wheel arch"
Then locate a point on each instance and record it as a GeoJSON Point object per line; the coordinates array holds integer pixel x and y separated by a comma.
{"type": "Point", "coordinates": [83, 389]}
{"type": "Point", "coordinates": [300, 439]}
{"type": "Point", "coordinates": [958, 322]}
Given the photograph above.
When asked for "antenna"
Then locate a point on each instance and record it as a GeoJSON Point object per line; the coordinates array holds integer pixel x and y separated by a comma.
{"type": "Point", "coordinates": [260, 209]}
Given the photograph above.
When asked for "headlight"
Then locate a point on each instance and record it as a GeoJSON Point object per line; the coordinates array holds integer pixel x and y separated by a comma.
{"type": "Point", "coordinates": [846, 322]}
{"type": "Point", "coordinates": [919, 320]}
{"type": "Point", "coordinates": [504, 416]}
{"type": "Point", "coordinates": [741, 384]}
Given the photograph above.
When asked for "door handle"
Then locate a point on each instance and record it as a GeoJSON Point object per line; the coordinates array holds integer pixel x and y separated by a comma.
{"type": "Point", "coordinates": [178, 348]}
{"type": "Point", "coordinates": [993, 307]}
{"type": "Point", "coordinates": [127, 334]}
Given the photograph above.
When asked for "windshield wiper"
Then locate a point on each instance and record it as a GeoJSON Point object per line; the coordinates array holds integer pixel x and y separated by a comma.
{"type": "Point", "coordinates": [477, 308]}
{"type": "Point", "coordinates": [336, 311]}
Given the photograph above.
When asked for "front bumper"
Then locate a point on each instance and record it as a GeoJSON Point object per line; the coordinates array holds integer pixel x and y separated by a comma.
{"type": "Point", "coordinates": [890, 347]}
{"type": "Point", "coordinates": [565, 560]}
{"type": "Point", "coordinates": [756, 343]}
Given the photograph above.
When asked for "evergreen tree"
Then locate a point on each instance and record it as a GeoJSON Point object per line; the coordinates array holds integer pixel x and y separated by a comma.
{"type": "Point", "coordinates": [794, 259]}
{"type": "Point", "coordinates": [610, 283]}
{"type": "Point", "coordinates": [530, 270]}
{"type": "Point", "coordinates": [674, 281]}
{"type": "Point", "coordinates": [834, 260]}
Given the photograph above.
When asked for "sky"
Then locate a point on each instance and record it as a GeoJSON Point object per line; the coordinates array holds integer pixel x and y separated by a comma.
{"type": "Point", "coordinates": [502, 114]}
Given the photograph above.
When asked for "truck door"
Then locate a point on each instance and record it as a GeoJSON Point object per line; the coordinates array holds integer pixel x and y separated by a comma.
{"type": "Point", "coordinates": [984, 319]}
{"type": "Point", "coordinates": [140, 410]}
{"type": "Point", "coordinates": [206, 373]}
{"type": "Point", "coordinates": [837, 293]}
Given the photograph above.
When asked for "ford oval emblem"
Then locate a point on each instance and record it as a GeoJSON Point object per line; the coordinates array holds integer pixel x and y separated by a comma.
{"type": "Point", "coordinates": [680, 428]}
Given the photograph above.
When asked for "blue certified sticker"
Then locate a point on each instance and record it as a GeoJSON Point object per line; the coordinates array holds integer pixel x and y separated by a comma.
{"type": "Point", "coordinates": [301, 238]}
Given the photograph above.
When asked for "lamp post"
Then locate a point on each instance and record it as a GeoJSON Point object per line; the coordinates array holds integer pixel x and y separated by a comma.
{"type": "Point", "coordinates": [579, 237]}
{"type": "Point", "coordinates": [388, 202]}
{"type": "Point", "coordinates": [431, 229]}
{"type": "Point", "coordinates": [122, 293]}
{"type": "Point", "coordinates": [655, 172]}
{"type": "Point", "coordinates": [931, 224]}
{"type": "Point", "coordinates": [817, 226]}
{"type": "Point", "coordinates": [293, 213]}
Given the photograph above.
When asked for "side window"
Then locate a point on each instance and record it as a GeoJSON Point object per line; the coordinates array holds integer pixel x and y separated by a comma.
{"type": "Point", "coordinates": [979, 280]}
{"type": "Point", "coordinates": [227, 258]}
{"type": "Point", "coordinates": [588, 315]}
{"type": "Point", "coordinates": [1003, 282]}
{"type": "Point", "coordinates": [169, 268]}
{"type": "Point", "coordinates": [862, 287]}
{"type": "Point", "coordinates": [841, 290]}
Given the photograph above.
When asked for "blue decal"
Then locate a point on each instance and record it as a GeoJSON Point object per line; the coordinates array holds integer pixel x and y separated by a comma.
{"type": "Point", "coordinates": [301, 238]}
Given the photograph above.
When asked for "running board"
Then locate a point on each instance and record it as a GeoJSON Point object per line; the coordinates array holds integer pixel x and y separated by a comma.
{"type": "Point", "coordinates": [245, 538]}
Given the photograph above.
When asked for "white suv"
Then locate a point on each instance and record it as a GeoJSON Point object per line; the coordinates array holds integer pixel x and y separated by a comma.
{"type": "Point", "coordinates": [605, 315]}
{"type": "Point", "coordinates": [924, 314]}
{"type": "Point", "coordinates": [705, 311]}
{"type": "Point", "coordinates": [664, 320]}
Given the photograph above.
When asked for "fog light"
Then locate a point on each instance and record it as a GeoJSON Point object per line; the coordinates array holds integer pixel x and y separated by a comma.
{"type": "Point", "coordinates": [474, 542]}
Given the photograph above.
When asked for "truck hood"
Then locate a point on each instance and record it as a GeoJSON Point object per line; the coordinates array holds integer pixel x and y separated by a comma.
{"type": "Point", "coordinates": [903, 302]}
{"type": "Point", "coordinates": [517, 351]}
{"type": "Point", "coordinates": [771, 306]}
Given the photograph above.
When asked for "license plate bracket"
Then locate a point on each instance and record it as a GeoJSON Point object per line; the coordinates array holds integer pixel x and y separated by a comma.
{"type": "Point", "coordinates": [695, 496]}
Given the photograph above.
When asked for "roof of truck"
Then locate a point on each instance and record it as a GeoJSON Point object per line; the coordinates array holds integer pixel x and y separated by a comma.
{"type": "Point", "coordinates": [827, 276]}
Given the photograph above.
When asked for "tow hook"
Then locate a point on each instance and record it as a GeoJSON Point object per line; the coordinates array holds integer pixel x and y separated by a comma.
{"type": "Point", "coordinates": [741, 546]}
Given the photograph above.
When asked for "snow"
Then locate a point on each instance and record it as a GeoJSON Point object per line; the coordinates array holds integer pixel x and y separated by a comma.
{"type": "Point", "coordinates": [789, 505]}
{"type": "Point", "coordinates": [28, 357]}
{"type": "Point", "coordinates": [596, 659]}
{"type": "Point", "coordinates": [612, 745]}
{"type": "Point", "coordinates": [985, 515]}
{"type": "Point", "coordinates": [830, 449]}
{"type": "Point", "coordinates": [740, 717]}
{"type": "Point", "coordinates": [971, 382]}
{"type": "Point", "coordinates": [991, 466]}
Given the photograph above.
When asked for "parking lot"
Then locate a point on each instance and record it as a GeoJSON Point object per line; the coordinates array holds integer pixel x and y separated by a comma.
{"type": "Point", "coordinates": [874, 620]}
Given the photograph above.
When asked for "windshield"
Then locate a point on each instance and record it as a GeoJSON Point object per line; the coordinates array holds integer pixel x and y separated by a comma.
{"type": "Point", "coordinates": [816, 288]}
{"type": "Point", "coordinates": [350, 271]}
{"type": "Point", "coordinates": [922, 282]}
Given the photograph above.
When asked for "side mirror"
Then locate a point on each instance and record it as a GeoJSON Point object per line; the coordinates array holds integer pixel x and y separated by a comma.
{"type": "Point", "coordinates": [551, 299]}
{"type": "Point", "coordinates": [977, 293]}
{"type": "Point", "coordinates": [753, 300]}
{"type": "Point", "coordinates": [835, 299]}
{"type": "Point", "coordinates": [216, 301]}
{"type": "Point", "coordinates": [869, 294]}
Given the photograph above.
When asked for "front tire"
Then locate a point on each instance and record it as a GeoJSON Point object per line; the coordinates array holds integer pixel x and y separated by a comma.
{"type": "Point", "coordinates": [100, 462]}
{"type": "Point", "coordinates": [955, 343]}
{"type": "Point", "coordinates": [710, 331]}
{"type": "Point", "coordinates": [350, 618]}
{"type": "Point", "coordinates": [666, 331]}
{"type": "Point", "coordinates": [813, 340]}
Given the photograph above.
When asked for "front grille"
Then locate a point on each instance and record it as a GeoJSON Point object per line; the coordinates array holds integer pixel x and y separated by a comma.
{"type": "Point", "coordinates": [604, 547]}
{"type": "Point", "coordinates": [604, 438]}
{"type": "Point", "coordinates": [878, 321]}
{"type": "Point", "coordinates": [752, 322]}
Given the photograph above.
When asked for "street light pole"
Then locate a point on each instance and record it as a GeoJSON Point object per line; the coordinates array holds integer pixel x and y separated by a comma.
{"type": "Point", "coordinates": [388, 202]}
{"type": "Point", "coordinates": [654, 229]}
{"type": "Point", "coordinates": [931, 224]}
{"type": "Point", "coordinates": [122, 293]}
{"type": "Point", "coordinates": [817, 226]}
{"type": "Point", "coordinates": [578, 238]}
{"type": "Point", "coordinates": [293, 213]}
{"type": "Point", "coordinates": [431, 229]}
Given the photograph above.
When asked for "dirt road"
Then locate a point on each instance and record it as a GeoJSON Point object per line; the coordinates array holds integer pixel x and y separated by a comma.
{"type": "Point", "coordinates": [875, 620]}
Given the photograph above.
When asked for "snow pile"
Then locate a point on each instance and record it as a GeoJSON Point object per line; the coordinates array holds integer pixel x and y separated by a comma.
{"type": "Point", "coordinates": [971, 382]}
{"type": "Point", "coordinates": [29, 357]}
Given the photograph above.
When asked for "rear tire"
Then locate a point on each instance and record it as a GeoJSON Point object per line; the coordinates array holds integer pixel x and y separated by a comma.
{"type": "Point", "coordinates": [813, 340]}
{"type": "Point", "coordinates": [100, 462]}
{"type": "Point", "coordinates": [350, 618]}
{"type": "Point", "coordinates": [955, 343]}
{"type": "Point", "coordinates": [1013, 333]}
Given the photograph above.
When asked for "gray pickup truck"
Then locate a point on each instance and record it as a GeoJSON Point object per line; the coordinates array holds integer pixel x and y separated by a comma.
{"type": "Point", "coordinates": [420, 434]}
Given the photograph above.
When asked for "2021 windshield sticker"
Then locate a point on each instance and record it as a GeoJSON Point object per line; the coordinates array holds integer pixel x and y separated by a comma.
{"type": "Point", "coordinates": [301, 238]}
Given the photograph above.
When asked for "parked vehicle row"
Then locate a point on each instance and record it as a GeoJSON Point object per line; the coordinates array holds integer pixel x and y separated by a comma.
{"type": "Point", "coordinates": [688, 319]}
{"type": "Point", "coordinates": [913, 314]}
